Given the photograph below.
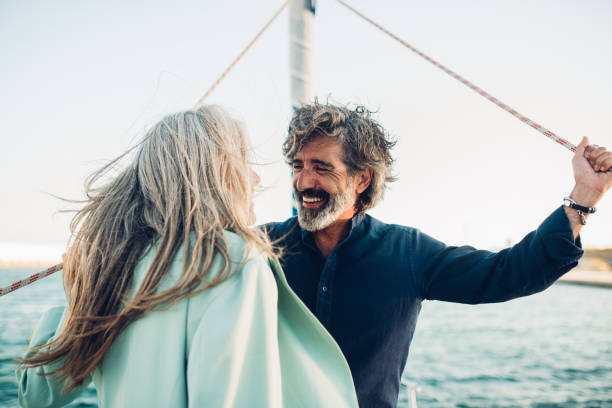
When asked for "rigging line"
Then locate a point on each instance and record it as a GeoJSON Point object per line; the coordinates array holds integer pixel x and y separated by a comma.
{"type": "Point", "coordinates": [239, 57]}
{"type": "Point", "coordinates": [467, 83]}
{"type": "Point", "coordinates": [43, 274]}
{"type": "Point", "coordinates": [31, 279]}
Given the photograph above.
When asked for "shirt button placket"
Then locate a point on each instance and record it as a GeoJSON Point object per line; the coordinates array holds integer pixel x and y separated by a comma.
{"type": "Point", "coordinates": [324, 301]}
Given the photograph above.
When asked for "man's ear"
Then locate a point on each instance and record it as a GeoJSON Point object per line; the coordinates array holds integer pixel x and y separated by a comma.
{"type": "Point", "coordinates": [363, 180]}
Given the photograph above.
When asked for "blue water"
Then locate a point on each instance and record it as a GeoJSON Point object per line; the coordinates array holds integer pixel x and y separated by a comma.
{"type": "Point", "coordinates": [553, 349]}
{"type": "Point", "coordinates": [19, 312]}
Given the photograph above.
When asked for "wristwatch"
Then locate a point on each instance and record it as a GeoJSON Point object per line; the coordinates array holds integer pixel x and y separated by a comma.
{"type": "Point", "coordinates": [568, 202]}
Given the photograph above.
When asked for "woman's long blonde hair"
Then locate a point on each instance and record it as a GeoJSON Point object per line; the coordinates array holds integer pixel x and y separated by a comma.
{"type": "Point", "coordinates": [190, 181]}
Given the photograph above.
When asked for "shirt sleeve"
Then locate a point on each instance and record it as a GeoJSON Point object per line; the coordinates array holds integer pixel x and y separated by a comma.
{"type": "Point", "coordinates": [233, 359]}
{"type": "Point", "coordinates": [466, 275]}
{"type": "Point", "coordinates": [36, 389]}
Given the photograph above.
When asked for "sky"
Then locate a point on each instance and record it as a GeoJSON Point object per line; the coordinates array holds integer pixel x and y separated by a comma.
{"type": "Point", "coordinates": [81, 81]}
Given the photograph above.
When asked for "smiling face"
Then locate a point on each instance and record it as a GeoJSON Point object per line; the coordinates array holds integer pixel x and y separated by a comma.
{"type": "Point", "coordinates": [323, 188]}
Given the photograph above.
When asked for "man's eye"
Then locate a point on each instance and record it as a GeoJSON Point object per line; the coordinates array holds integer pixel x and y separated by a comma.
{"type": "Point", "coordinates": [321, 170]}
{"type": "Point", "coordinates": [296, 166]}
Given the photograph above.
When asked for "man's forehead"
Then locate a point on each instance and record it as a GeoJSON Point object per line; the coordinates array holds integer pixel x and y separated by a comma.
{"type": "Point", "coordinates": [323, 141]}
{"type": "Point", "coordinates": [322, 144]}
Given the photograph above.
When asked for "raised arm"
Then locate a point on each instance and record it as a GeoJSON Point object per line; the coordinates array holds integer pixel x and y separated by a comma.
{"type": "Point", "coordinates": [592, 166]}
{"type": "Point", "coordinates": [467, 275]}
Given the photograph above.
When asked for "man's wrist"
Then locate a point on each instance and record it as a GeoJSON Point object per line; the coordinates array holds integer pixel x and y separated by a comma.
{"type": "Point", "coordinates": [585, 196]}
{"type": "Point", "coordinates": [575, 220]}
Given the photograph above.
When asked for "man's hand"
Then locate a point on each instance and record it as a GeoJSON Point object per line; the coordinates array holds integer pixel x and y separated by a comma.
{"type": "Point", "coordinates": [599, 158]}
{"type": "Point", "coordinates": [592, 166]}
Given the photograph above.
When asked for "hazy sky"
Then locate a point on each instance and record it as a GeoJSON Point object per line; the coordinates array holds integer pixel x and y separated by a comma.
{"type": "Point", "coordinates": [81, 80]}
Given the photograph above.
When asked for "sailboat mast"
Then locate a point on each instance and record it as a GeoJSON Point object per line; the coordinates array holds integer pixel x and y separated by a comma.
{"type": "Point", "coordinates": [301, 16]}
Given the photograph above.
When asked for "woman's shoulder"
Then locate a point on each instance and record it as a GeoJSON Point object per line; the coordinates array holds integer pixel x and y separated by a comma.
{"type": "Point", "coordinates": [247, 279]}
{"type": "Point", "coordinates": [245, 265]}
{"type": "Point", "coordinates": [239, 249]}
{"type": "Point", "coordinates": [242, 262]}
{"type": "Point", "coordinates": [245, 258]}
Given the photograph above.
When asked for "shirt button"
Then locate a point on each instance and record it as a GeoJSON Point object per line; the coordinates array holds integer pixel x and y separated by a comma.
{"type": "Point", "coordinates": [324, 288]}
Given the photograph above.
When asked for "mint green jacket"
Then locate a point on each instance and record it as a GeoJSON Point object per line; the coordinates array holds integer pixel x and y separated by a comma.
{"type": "Point", "coordinates": [248, 342]}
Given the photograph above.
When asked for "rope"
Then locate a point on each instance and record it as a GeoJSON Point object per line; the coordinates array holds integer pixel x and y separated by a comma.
{"type": "Point", "coordinates": [467, 83]}
{"type": "Point", "coordinates": [239, 57]}
{"type": "Point", "coordinates": [31, 279]}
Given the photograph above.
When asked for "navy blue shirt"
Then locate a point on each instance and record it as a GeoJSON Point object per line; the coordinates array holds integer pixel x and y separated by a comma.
{"type": "Point", "coordinates": [368, 292]}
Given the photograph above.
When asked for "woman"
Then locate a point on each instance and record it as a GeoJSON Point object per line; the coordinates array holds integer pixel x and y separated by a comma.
{"type": "Point", "coordinates": [173, 301]}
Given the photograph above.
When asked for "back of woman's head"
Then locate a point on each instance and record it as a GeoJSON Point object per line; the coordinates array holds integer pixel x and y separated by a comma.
{"type": "Point", "coordinates": [189, 181]}
{"type": "Point", "coordinates": [193, 167]}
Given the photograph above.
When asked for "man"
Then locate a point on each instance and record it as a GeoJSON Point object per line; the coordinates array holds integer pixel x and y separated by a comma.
{"type": "Point", "coordinates": [365, 280]}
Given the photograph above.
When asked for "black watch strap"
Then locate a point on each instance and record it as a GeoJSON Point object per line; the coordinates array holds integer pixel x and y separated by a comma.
{"type": "Point", "coordinates": [572, 204]}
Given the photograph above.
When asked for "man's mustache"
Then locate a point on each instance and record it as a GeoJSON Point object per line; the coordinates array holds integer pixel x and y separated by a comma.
{"type": "Point", "coordinates": [311, 192]}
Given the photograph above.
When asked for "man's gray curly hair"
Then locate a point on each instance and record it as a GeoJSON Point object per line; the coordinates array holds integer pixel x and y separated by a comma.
{"type": "Point", "coordinates": [366, 143]}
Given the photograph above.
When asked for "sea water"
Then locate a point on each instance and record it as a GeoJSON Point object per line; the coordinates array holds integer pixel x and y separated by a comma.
{"type": "Point", "coordinates": [19, 313]}
{"type": "Point", "coordinates": [552, 349]}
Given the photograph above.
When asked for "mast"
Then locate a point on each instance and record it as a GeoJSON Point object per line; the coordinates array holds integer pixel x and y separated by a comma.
{"type": "Point", "coordinates": [301, 16]}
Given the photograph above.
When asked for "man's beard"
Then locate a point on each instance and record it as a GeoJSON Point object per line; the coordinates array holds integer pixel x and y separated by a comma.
{"type": "Point", "coordinates": [316, 219]}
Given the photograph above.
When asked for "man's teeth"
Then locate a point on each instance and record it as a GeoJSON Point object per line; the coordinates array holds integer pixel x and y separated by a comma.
{"type": "Point", "coordinates": [312, 199]}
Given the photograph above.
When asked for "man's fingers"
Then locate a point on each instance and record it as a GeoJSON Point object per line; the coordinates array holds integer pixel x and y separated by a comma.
{"type": "Point", "coordinates": [606, 163]}
{"type": "Point", "coordinates": [588, 150]}
{"type": "Point", "coordinates": [598, 157]}
{"type": "Point", "coordinates": [594, 153]}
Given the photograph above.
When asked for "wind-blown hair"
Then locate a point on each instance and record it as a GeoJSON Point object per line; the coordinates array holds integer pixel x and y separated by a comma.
{"type": "Point", "coordinates": [190, 180]}
{"type": "Point", "coordinates": [366, 143]}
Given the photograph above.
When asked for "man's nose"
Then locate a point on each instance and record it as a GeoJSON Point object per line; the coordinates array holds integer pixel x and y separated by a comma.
{"type": "Point", "coordinates": [304, 180]}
